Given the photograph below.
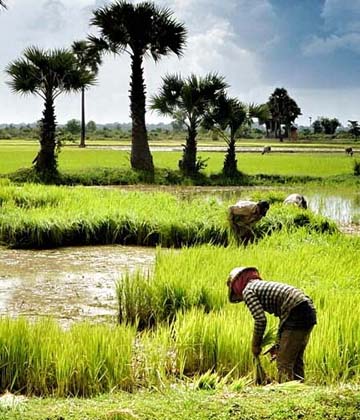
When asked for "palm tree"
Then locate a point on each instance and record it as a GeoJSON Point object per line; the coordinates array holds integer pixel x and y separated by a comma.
{"type": "Point", "coordinates": [284, 110]}
{"type": "Point", "coordinates": [226, 117]}
{"type": "Point", "coordinates": [188, 101]}
{"type": "Point", "coordinates": [47, 74]}
{"type": "Point", "coordinates": [3, 4]}
{"type": "Point", "coordinates": [138, 29]}
{"type": "Point", "coordinates": [89, 59]}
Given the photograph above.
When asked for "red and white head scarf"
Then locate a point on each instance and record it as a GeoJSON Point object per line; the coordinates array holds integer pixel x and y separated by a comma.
{"type": "Point", "coordinates": [240, 277]}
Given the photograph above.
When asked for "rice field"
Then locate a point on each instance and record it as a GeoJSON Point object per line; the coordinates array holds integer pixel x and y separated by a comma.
{"type": "Point", "coordinates": [73, 159]}
{"type": "Point", "coordinates": [206, 340]}
{"type": "Point", "coordinates": [175, 324]}
{"type": "Point", "coordinates": [36, 216]}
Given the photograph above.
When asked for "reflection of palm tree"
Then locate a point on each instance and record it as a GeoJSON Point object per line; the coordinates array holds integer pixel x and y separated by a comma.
{"type": "Point", "coordinates": [138, 29]}
{"type": "Point", "coordinates": [187, 101]}
{"type": "Point", "coordinates": [47, 74]}
{"type": "Point", "coordinates": [88, 59]}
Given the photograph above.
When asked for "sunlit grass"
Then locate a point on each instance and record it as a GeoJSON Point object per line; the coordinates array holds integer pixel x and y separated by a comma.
{"type": "Point", "coordinates": [208, 342]}
{"type": "Point", "coordinates": [37, 216]}
{"type": "Point", "coordinates": [72, 158]}
{"type": "Point", "coordinates": [213, 334]}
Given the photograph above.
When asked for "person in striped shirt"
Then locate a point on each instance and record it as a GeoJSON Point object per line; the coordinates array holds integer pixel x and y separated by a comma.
{"type": "Point", "coordinates": [294, 309]}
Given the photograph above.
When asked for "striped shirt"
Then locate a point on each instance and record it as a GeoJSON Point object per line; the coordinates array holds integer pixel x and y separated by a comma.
{"type": "Point", "coordinates": [272, 297]}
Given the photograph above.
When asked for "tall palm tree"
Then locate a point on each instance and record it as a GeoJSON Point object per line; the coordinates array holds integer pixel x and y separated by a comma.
{"type": "Point", "coordinates": [89, 59]}
{"type": "Point", "coordinates": [47, 74]}
{"type": "Point", "coordinates": [188, 101]}
{"type": "Point", "coordinates": [138, 29]}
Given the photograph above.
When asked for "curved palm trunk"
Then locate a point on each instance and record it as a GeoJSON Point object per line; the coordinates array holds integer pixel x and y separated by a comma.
{"type": "Point", "coordinates": [230, 162]}
{"type": "Point", "coordinates": [140, 152]}
{"type": "Point", "coordinates": [83, 131]}
{"type": "Point", "coordinates": [45, 161]}
{"type": "Point", "coordinates": [188, 163]}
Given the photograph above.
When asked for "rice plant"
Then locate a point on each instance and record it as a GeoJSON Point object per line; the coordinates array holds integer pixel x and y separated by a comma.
{"type": "Point", "coordinates": [43, 217]}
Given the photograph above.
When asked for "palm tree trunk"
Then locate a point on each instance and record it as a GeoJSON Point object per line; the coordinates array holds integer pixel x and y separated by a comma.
{"type": "Point", "coordinates": [230, 162]}
{"type": "Point", "coordinates": [83, 131]}
{"type": "Point", "coordinates": [140, 152]}
{"type": "Point", "coordinates": [188, 163]}
{"type": "Point", "coordinates": [46, 161]}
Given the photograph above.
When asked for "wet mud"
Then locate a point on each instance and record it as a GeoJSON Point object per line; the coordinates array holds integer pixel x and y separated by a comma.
{"type": "Point", "coordinates": [68, 284]}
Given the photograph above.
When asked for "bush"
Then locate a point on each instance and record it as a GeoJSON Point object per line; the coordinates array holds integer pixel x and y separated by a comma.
{"type": "Point", "coordinates": [356, 168]}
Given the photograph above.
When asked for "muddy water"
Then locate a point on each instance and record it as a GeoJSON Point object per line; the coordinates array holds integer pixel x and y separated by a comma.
{"type": "Point", "coordinates": [69, 284]}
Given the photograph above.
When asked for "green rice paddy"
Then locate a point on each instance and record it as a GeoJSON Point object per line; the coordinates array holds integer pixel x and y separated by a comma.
{"type": "Point", "coordinates": [72, 159]}
{"type": "Point", "coordinates": [176, 328]}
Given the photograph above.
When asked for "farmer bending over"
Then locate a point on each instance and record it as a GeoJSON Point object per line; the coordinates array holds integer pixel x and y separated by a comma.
{"type": "Point", "coordinates": [242, 217]}
{"type": "Point", "coordinates": [295, 310]}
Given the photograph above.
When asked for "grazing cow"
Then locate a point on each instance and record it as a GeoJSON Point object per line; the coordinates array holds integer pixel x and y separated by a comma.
{"type": "Point", "coordinates": [266, 149]}
{"type": "Point", "coordinates": [297, 199]}
{"type": "Point", "coordinates": [349, 151]}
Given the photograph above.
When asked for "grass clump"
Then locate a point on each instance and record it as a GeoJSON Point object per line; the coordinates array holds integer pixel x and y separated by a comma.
{"type": "Point", "coordinates": [43, 359]}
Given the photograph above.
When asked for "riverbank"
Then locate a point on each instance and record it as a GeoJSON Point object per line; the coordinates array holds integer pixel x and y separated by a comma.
{"type": "Point", "coordinates": [281, 402]}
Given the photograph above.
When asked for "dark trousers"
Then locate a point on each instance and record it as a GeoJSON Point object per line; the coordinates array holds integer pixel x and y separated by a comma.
{"type": "Point", "coordinates": [290, 357]}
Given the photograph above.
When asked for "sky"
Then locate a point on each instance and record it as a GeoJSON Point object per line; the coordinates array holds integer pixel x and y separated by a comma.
{"type": "Point", "coordinates": [309, 47]}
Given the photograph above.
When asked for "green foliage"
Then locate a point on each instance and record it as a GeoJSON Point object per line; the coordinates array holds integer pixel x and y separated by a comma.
{"type": "Point", "coordinates": [283, 110]}
{"type": "Point", "coordinates": [326, 125]}
{"type": "Point", "coordinates": [73, 126]}
{"type": "Point", "coordinates": [354, 128]}
{"type": "Point", "coordinates": [43, 359]}
{"type": "Point", "coordinates": [356, 168]}
{"type": "Point", "coordinates": [189, 101]}
{"type": "Point", "coordinates": [91, 126]}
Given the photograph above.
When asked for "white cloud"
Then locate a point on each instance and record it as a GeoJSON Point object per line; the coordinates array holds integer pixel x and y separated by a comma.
{"type": "Point", "coordinates": [230, 37]}
{"type": "Point", "coordinates": [326, 46]}
{"type": "Point", "coordinates": [342, 23]}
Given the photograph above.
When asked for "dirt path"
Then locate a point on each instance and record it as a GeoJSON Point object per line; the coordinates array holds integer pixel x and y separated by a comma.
{"type": "Point", "coordinates": [240, 149]}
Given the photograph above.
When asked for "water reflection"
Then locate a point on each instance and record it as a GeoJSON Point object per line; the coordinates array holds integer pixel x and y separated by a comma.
{"type": "Point", "coordinates": [67, 283]}
{"type": "Point", "coordinates": [344, 210]}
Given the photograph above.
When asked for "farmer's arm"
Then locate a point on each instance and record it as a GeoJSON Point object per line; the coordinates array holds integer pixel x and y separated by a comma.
{"type": "Point", "coordinates": [257, 312]}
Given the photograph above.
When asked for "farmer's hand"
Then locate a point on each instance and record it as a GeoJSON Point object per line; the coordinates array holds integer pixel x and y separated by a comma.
{"type": "Point", "coordinates": [273, 352]}
{"type": "Point", "coordinates": [256, 350]}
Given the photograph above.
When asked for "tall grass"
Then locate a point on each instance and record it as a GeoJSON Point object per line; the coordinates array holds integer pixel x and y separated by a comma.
{"type": "Point", "coordinates": [34, 216]}
{"type": "Point", "coordinates": [206, 335]}
{"type": "Point", "coordinates": [43, 359]}
{"type": "Point", "coordinates": [188, 289]}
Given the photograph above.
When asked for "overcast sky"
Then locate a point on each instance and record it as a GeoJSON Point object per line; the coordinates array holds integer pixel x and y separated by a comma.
{"type": "Point", "coordinates": [309, 47]}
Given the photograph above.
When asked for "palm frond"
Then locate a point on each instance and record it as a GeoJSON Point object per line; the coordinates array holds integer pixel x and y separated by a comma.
{"type": "Point", "coordinates": [143, 27]}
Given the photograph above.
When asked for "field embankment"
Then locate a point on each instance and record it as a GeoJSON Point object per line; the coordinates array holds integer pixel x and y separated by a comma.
{"type": "Point", "coordinates": [276, 402]}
